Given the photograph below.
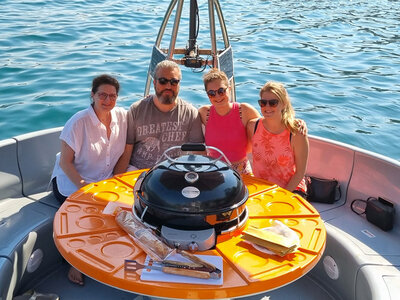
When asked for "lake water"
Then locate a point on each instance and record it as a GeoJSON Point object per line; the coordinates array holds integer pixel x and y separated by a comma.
{"type": "Point", "coordinates": [339, 59]}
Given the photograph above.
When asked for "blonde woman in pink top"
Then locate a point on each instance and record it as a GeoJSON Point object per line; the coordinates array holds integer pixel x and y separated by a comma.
{"type": "Point", "coordinates": [280, 151]}
{"type": "Point", "coordinates": [225, 121]}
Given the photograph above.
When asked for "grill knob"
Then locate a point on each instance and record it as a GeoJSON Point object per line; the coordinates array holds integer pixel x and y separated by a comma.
{"type": "Point", "coordinates": [191, 177]}
{"type": "Point", "coordinates": [193, 247]}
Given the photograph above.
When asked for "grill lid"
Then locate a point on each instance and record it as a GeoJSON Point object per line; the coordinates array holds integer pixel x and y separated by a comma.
{"type": "Point", "coordinates": [192, 184]}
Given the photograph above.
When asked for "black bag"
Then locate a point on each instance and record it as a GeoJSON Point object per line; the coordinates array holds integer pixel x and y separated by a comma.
{"type": "Point", "coordinates": [379, 212]}
{"type": "Point", "coordinates": [322, 190]}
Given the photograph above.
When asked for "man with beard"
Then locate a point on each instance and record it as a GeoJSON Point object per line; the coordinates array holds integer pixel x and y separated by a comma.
{"type": "Point", "coordinates": [159, 121]}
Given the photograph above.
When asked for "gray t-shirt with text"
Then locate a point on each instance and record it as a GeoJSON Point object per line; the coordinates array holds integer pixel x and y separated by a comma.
{"type": "Point", "coordinates": [152, 131]}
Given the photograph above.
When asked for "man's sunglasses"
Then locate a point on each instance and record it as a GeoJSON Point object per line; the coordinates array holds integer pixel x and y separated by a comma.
{"type": "Point", "coordinates": [272, 103]}
{"type": "Point", "coordinates": [164, 81]}
{"type": "Point", "coordinates": [212, 93]}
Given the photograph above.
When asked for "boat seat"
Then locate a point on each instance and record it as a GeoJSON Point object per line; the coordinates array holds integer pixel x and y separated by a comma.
{"type": "Point", "coordinates": [36, 161]}
{"type": "Point", "coordinates": [376, 178]}
{"type": "Point", "coordinates": [6, 271]}
{"type": "Point", "coordinates": [10, 180]}
{"type": "Point", "coordinates": [26, 213]}
{"type": "Point", "coordinates": [382, 277]}
{"type": "Point", "coordinates": [324, 164]}
{"type": "Point", "coordinates": [31, 225]}
{"type": "Point", "coordinates": [367, 258]}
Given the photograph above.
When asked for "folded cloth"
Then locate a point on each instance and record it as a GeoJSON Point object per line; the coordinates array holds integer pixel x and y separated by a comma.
{"type": "Point", "coordinates": [33, 295]}
{"type": "Point", "coordinates": [278, 238]}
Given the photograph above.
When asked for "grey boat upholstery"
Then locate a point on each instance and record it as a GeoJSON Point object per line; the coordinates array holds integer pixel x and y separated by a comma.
{"type": "Point", "coordinates": [26, 210]}
{"type": "Point", "coordinates": [367, 258]}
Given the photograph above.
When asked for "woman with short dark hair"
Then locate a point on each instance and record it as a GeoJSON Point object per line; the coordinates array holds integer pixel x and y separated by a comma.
{"type": "Point", "coordinates": [92, 141]}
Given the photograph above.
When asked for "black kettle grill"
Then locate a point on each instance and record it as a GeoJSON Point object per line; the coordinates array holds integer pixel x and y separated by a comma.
{"type": "Point", "coordinates": [192, 198]}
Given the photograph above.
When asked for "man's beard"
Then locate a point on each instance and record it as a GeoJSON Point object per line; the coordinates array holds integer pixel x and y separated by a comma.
{"type": "Point", "coordinates": [166, 99]}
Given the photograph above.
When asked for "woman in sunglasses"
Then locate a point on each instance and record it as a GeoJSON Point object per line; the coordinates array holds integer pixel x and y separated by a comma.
{"type": "Point", "coordinates": [280, 149]}
{"type": "Point", "coordinates": [225, 121]}
{"type": "Point", "coordinates": [92, 141]}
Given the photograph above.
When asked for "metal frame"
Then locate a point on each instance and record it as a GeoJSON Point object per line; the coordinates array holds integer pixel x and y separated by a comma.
{"type": "Point", "coordinates": [222, 59]}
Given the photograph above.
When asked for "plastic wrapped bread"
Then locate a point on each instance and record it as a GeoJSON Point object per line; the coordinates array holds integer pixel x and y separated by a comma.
{"type": "Point", "coordinates": [143, 236]}
{"type": "Point", "coordinates": [278, 238]}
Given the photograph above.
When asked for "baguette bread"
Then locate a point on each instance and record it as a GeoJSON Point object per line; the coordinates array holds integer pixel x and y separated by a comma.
{"type": "Point", "coordinates": [143, 236]}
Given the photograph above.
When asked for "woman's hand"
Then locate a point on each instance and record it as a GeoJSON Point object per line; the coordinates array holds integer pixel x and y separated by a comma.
{"type": "Point", "coordinates": [67, 165]}
{"type": "Point", "coordinates": [82, 183]}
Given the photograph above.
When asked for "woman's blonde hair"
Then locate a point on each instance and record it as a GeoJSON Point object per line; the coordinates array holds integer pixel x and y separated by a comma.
{"type": "Point", "coordinates": [279, 90]}
{"type": "Point", "coordinates": [215, 74]}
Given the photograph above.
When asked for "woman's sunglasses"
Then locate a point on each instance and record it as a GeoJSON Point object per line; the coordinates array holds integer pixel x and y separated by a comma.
{"type": "Point", "coordinates": [212, 93]}
{"type": "Point", "coordinates": [164, 81]}
{"type": "Point", "coordinates": [272, 103]}
{"type": "Point", "coordinates": [104, 96]}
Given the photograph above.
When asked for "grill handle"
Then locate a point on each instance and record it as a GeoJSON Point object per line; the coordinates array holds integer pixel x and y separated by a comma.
{"type": "Point", "coordinates": [193, 147]}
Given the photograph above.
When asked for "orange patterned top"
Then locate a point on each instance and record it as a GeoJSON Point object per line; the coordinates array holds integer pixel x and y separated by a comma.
{"type": "Point", "coordinates": [273, 157]}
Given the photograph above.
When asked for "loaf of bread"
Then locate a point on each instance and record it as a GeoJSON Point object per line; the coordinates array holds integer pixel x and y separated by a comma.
{"type": "Point", "coordinates": [143, 236]}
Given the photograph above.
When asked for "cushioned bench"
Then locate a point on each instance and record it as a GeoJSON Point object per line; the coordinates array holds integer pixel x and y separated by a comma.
{"type": "Point", "coordinates": [10, 183]}
{"type": "Point", "coordinates": [26, 209]}
{"type": "Point", "coordinates": [324, 164]}
{"type": "Point", "coordinates": [367, 258]}
{"type": "Point", "coordinates": [11, 189]}
{"type": "Point", "coordinates": [6, 271]}
{"type": "Point", "coordinates": [36, 156]}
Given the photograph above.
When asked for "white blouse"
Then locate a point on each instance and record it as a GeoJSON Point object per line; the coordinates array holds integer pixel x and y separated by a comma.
{"type": "Point", "coordinates": [95, 154]}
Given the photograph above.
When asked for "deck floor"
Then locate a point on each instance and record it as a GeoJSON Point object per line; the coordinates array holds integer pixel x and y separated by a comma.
{"type": "Point", "coordinates": [57, 282]}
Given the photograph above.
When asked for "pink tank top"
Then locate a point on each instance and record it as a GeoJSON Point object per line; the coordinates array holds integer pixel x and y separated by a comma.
{"type": "Point", "coordinates": [227, 133]}
{"type": "Point", "coordinates": [273, 157]}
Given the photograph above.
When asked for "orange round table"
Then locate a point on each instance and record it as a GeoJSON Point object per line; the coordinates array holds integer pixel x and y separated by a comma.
{"type": "Point", "coordinates": [94, 244]}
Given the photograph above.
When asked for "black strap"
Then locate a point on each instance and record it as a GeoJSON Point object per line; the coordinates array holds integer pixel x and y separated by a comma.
{"type": "Point", "coordinates": [361, 200]}
{"type": "Point", "coordinates": [340, 191]}
{"type": "Point", "coordinates": [255, 126]}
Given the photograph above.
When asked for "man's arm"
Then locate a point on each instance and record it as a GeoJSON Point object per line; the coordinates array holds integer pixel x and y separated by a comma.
{"type": "Point", "coordinates": [123, 161]}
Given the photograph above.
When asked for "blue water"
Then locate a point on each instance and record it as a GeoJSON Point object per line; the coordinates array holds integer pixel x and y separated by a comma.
{"type": "Point", "coordinates": [339, 59]}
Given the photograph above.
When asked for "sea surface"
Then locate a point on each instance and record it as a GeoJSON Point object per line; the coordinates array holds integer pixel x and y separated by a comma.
{"type": "Point", "coordinates": [340, 60]}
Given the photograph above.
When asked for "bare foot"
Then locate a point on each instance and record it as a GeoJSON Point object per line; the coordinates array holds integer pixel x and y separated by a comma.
{"type": "Point", "coordinates": [75, 276]}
